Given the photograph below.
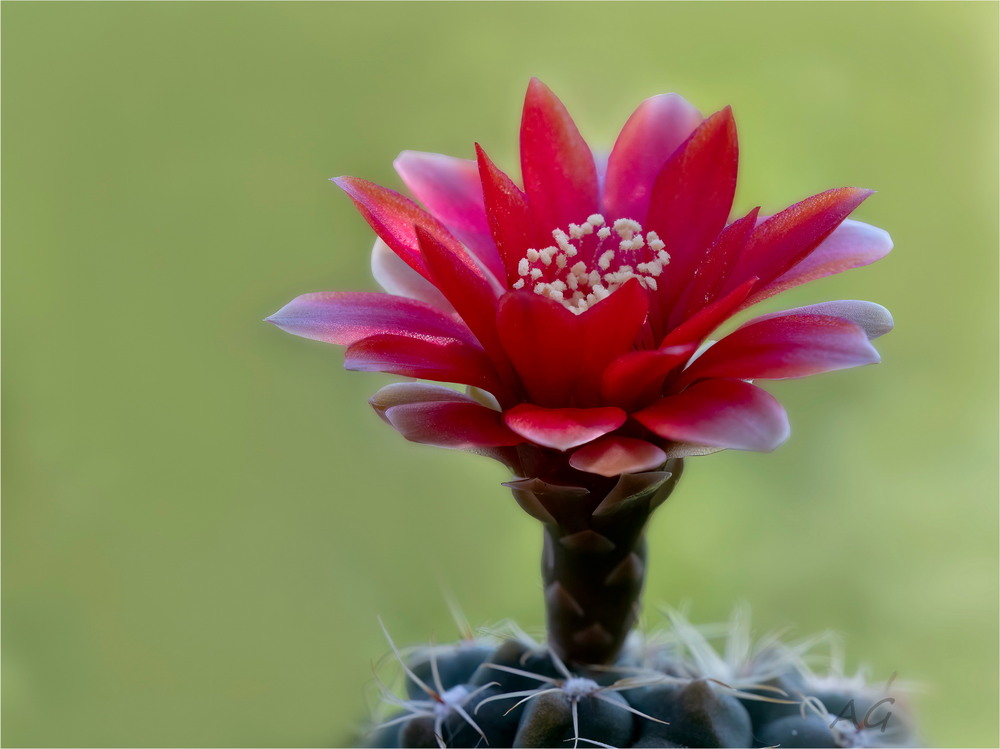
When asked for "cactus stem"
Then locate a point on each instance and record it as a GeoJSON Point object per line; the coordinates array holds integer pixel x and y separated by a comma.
{"type": "Point", "coordinates": [593, 560]}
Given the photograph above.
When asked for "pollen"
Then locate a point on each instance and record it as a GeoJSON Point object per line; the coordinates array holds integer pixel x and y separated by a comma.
{"type": "Point", "coordinates": [601, 266]}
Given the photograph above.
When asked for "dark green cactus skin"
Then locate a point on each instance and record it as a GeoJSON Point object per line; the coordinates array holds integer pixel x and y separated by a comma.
{"type": "Point", "coordinates": [794, 730]}
{"type": "Point", "coordinates": [625, 706]}
{"type": "Point", "coordinates": [455, 666]}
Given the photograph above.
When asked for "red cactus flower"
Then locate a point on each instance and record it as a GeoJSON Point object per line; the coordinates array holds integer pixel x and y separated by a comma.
{"type": "Point", "coordinates": [577, 312]}
{"type": "Point", "coordinates": [577, 309]}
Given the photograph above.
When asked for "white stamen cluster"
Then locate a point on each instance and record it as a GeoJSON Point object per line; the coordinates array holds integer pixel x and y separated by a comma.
{"type": "Point", "coordinates": [549, 272]}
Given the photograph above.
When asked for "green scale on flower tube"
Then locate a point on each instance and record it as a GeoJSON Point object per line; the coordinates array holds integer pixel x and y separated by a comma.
{"type": "Point", "coordinates": [577, 284]}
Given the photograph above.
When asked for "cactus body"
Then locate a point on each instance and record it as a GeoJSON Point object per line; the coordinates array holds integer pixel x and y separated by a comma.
{"type": "Point", "coordinates": [668, 691]}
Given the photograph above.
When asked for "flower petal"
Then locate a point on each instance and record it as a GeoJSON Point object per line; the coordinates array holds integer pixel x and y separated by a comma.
{"type": "Point", "coordinates": [451, 190]}
{"type": "Point", "coordinates": [560, 178]}
{"type": "Point", "coordinates": [851, 245]}
{"type": "Point", "coordinates": [562, 428]}
{"type": "Point", "coordinates": [713, 268]}
{"type": "Point", "coordinates": [872, 318]}
{"type": "Point", "coordinates": [462, 426]}
{"type": "Point", "coordinates": [707, 319]}
{"type": "Point", "coordinates": [448, 187]}
{"type": "Point", "coordinates": [783, 347]}
{"type": "Point", "coordinates": [692, 197]}
{"type": "Point", "coordinates": [347, 317]}
{"type": "Point", "coordinates": [613, 456]}
{"type": "Point", "coordinates": [560, 356]}
{"type": "Point", "coordinates": [719, 413]}
{"type": "Point", "coordinates": [635, 378]}
{"type": "Point", "coordinates": [654, 131]}
{"type": "Point", "coordinates": [404, 393]}
{"type": "Point", "coordinates": [510, 217]}
{"type": "Point", "coordinates": [394, 218]}
{"type": "Point", "coordinates": [440, 359]}
{"type": "Point", "coordinates": [785, 239]}
{"type": "Point", "coordinates": [468, 290]}
{"type": "Point", "coordinates": [396, 277]}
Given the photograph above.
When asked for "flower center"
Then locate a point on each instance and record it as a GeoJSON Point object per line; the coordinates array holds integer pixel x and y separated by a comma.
{"type": "Point", "coordinates": [586, 263]}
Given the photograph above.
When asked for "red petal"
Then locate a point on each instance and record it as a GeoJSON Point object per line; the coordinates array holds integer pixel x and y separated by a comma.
{"type": "Point", "coordinates": [560, 356]}
{"type": "Point", "coordinates": [692, 197]}
{"type": "Point", "coordinates": [703, 322]}
{"type": "Point", "coordinates": [613, 456]}
{"type": "Point", "coordinates": [720, 413]}
{"type": "Point", "coordinates": [562, 428]}
{"type": "Point", "coordinates": [651, 135]}
{"type": "Point", "coordinates": [560, 178]}
{"type": "Point", "coordinates": [347, 317]}
{"type": "Point", "coordinates": [469, 293]}
{"type": "Point", "coordinates": [784, 347]}
{"type": "Point", "coordinates": [636, 378]}
{"type": "Point", "coordinates": [851, 245]}
{"type": "Point", "coordinates": [786, 238]}
{"type": "Point", "coordinates": [715, 264]}
{"type": "Point", "coordinates": [440, 359]}
{"type": "Point", "coordinates": [451, 190]}
{"type": "Point", "coordinates": [394, 218]}
{"type": "Point", "coordinates": [463, 426]}
{"type": "Point", "coordinates": [511, 219]}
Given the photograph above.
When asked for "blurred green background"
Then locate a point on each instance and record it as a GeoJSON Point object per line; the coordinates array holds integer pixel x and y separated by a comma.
{"type": "Point", "coordinates": [203, 518]}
